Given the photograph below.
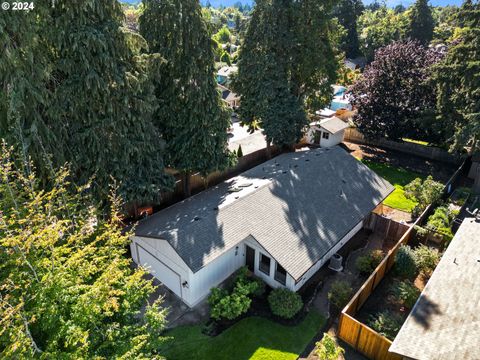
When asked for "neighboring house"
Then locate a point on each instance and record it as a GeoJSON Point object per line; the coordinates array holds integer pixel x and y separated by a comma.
{"type": "Point", "coordinates": [325, 113]}
{"type": "Point", "coordinates": [327, 132]}
{"type": "Point", "coordinates": [229, 97]}
{"type": "Point", "coordinates": [340, 99]}
{"type": "Point", "coordinates": [283, 219]}
{"type": "Point", "coordinates": [356, 64]}
{"type": "Point", "coordinates": [224, 74]}
{"type": "Point", "coordinates": [444, 324]}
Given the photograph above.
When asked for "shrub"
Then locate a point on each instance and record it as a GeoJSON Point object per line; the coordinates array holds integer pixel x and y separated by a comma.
{"type": "Point", "coordinates": [327, 349]}
{"type": "Point", "coordinates": [245, 278]}
{"type": "Point", "coordinates": [406, 293]}
{"type": "Point", "coordinates": [405, 262]}
{"type": "Point", "coordinates": [228, 306]}
{"type": "Point", "coordinates": [425, 193]}
{"type": "Point", "coordinates": [285, 303]}
{"type": "Point", "coordinates": [386, 324]}
{"type": "Point", "coordinates": [365, 264]}
{"type": "Point", "coordinates": [440, 218]}
{"type": "Point", "coordinates": [426, 259]}
{"type": "Point", "coordinates": [340, 293]}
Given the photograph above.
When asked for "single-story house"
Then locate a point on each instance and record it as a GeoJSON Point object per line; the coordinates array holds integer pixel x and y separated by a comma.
{"type": "Point", "coordinates": [283, 219]}
{"type": "Point", "coordinates": [325, 113]}
{"type": "Point", "coordinates": [223, 75]}
{"type": "Point", "coordinates": [327, 132]}
{"type": "Point", "coordinates": [444, 324]}
{"type": "Point", "coordinates": [229, 97]}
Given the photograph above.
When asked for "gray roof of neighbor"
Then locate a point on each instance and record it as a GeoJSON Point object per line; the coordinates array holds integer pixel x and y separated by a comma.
{"type": "Point", "coordinates": [333, 124]}
{"type": "Point", "coordinates": [297, 206]}
{"type": "Point", "coordinates": [445, 322]}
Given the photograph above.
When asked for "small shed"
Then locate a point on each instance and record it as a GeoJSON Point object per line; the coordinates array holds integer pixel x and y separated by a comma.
{"type": "Point", "coordinates": [327, 132]}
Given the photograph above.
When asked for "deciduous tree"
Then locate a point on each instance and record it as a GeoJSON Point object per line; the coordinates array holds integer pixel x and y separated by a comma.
{"type": "Point", "coordinates": [66, 287]}
{"type": "Point", "coordinates": [394, 96]}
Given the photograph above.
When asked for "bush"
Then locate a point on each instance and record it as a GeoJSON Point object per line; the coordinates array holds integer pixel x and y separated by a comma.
{"type": "Point", "coordinates": [365, 264]}
{"type": "Point", "coordinates": [405, 262]}
{"type": "Point", "coordinates": [386, 324]}
{"type": "Point", "coordinates": [225, 306]}
{"type": "Point", "coordinates": [424, 192]}
{"type": "Point", "coordinates": [340, 293]}
{"type": "Point", "coordinates": [285, 303]}
{"type": "Point", "coordinates": [426, 259]}
{"type": "Point", "coordinates": [406, 293]}
{"type": "Point", "coordinates": [327, 349]}
{"type": "Point", "coordinates": [253, 285]}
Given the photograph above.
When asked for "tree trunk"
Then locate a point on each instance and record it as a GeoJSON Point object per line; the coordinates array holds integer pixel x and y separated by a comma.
{"type": "Point", "coordinates": [269, 151]}
{"type": "Point", "coordinates": [187, 191]}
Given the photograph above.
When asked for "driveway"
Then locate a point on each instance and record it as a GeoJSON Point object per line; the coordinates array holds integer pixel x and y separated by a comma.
{"type": "Point", "coordinates": [241, 137]}
{"type": "Point", "coordinates": [178, 313]}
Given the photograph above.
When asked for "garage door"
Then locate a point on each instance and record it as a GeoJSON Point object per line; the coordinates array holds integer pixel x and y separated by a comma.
{"type": "Point", "coordinates": [158, 269]}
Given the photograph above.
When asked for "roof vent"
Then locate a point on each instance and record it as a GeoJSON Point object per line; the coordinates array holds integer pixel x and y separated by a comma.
{"type": "Point", "coordinates": [215, 208]}
{"type": "Point", "coordinates": [284, 171]}
{"type": "Point", "coordinates": [277, 164]}
{"type": "Point", "coordinates": [244, 185]}
{"type": "Point", "coordinates": [196, 218]}
{"type": "Point", "coordinates": [295, 166]}
{"type": "Point", "coordinates": [307, 159]}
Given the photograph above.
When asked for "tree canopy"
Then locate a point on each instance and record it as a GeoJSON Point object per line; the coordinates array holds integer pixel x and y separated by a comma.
{"type": "Point", "coordinates": [420, 22]}
{"type": "Point", "coordinates": [192, 118]}
{"type": "Point", "coordinates": [457, 80]}
{"type": "Point", "coordinates": [394, 96]}
{"type": "Point", "coordinates": [84, 98]}
{"type": "Point", "coordinates": [287, 54]}
{"type": "Point", "coordinates": [67, 289]}
{"type": "Point", "coordinates": [347, 12]}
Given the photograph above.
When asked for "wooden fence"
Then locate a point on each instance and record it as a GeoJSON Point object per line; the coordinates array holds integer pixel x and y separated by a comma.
{"type": "Point", "coordinates": [360, 336]}
{"type": "Point", "coordinates": [390, 229]}
{"type": "Point", "coordinates": [199, 183]}
{"type": "Point", "coordinates": [428, 152]}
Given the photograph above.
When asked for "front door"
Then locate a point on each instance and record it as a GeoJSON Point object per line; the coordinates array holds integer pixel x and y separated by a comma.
{"type": "Point", "coordinates": [250, 258]}
{"type": "Point", "coordinates": [316, 137]}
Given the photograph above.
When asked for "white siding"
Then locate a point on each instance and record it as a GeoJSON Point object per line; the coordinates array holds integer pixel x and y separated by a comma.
{"type": "Point", "coordinates": [310, 272]}
{"type": "Point", "coordinates": [333, 139]}
{"type": "Point", "coordinates": [163, 251]}
{"type": "Point", "coordinates": [215, 273]}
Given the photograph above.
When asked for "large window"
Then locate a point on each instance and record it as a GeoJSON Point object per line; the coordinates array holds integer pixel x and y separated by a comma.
{"type": "Point", "coordinates": [264, 264]}
{"type": "Point", "coordinates": [280, 274]}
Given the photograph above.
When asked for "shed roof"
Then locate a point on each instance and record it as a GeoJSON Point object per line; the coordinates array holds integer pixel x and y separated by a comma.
{"type": "Point", "coordinates": [297, 206]}
{"type": "Point", "coordinates": [445, 322]}
{"type": "Point", "coordinates": [333, 124]}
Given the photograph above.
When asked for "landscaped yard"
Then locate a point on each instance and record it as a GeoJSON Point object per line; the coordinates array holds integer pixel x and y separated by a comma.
{"type": "Point", "coordinates": [251, 338]}
{"type": "Point", "coordinates": [398, 177]}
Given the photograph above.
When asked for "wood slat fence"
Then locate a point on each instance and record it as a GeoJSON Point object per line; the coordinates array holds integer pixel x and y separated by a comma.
{"type": "Point", "coordinates": [360, 336]}
{"type": "Point", "coordinates": [428, 152]}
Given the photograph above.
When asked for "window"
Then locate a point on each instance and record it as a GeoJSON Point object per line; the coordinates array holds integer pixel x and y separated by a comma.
{"type": "Point", "coordinates": [325, 135]}
{"type": "Point", "coordinates": [281, 274]}
{"type": "Point", "coordinates": [264, 264]}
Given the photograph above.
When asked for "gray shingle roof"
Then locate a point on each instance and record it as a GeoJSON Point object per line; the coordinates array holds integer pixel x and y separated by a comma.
{"type": "Point", "coordinates": [298, 206]}
{"type": "Point", "coordinates": [445, 322]}
{"type": "Point", "coordinates": [333, 124]}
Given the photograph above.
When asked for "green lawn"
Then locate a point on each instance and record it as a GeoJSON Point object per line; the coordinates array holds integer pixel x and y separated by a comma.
{"type": "Point", "coordinates": [251, 338]}
{"type": "Point", "coordinates": [398, 177]}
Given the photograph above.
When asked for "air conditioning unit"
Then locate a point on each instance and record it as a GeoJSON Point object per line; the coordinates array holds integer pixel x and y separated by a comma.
{"type": "Point", "coordinates": [336, 263]}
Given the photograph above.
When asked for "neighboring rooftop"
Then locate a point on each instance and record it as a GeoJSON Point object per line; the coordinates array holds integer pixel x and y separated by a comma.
{"type": "Point", "coordinates": [445, 322]}
{"type": "Point", "coordinates": [297, 206]}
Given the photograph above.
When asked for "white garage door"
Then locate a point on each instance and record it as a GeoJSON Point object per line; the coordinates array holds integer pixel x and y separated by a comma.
{"type": "Point", "coordinates": [162, 272]}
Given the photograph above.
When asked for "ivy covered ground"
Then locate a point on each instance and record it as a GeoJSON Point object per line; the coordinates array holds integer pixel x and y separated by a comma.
{"type": "Point", "coordinates": [252, 338]}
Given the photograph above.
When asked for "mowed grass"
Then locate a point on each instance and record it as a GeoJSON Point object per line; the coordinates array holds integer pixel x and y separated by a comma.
{"type": "Point", "coordinates": [398, 177]}
{"type": "Point", "coordinates": [253, 338]}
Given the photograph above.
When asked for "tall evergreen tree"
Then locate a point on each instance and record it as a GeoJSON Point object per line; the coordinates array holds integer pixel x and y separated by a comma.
{"type": "Point", "coordinates": [420, 22]}
{"type": "Point", "coordinates": [458, 80]}
{"type": "Point", "coordinates": [192, 120]}
{"type": "Point", "coordinates": [76, 94]}
{"type": "Point", "coordinates": [347, 13]}
{"type": "Point", "coordinates": [104, 101]}
{"type": "Point", "coordinates": [286, 66]}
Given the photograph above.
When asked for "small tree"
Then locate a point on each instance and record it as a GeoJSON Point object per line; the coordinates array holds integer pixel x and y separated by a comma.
{"type": "Point", "coordinates": [406, 293]}
{"type": "Point", "coordinates": [239, 151]}
{"type": "Point", "coordinates": [327, 348]}
{"type": "Point", "coordinates": [420, 22]}
{"type": "Point", "coordinates": [405, 262]}
{"type": "Point", "coordinates": [427, 192]}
